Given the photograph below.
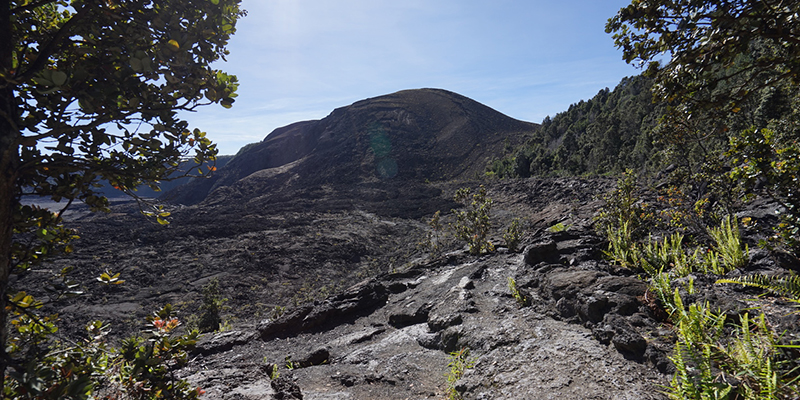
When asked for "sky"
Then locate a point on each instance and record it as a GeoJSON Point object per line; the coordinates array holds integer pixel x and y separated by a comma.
{"type": "Point", "coordinates": [297, 60]}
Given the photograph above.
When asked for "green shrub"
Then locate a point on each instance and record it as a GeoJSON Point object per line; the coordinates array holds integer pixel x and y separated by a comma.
{"type": "Point", "coordinates": [521, 299]}
{"type": "Point", "coordinates": [435, 235]}
{"type": "Point", "coordinates": [52, 370]}
{"type": "Point", "coordinates": [744, 364]}
{"type": "Point", "coordinates": [728, 246]}
{"type": "Point", "coordinates": [146, 364]}
{"type": "Point", "coordinates": [472, 224]}
{"type": "Point", "coordinates": [513, 235]}
{"type": "Point", "coordinates": [623, 207]}
{"type": "Point", "coordinates": [143, 368]}
{"type": "Point", "coordinates": [210, 320]}
{"type": "Point", "coordinates": [459, 363]}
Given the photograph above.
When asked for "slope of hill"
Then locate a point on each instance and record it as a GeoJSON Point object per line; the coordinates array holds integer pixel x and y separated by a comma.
{"type": "Point", "coordinates": [603, 135]}
{"type": "Point", "coordinates": [411, 136]}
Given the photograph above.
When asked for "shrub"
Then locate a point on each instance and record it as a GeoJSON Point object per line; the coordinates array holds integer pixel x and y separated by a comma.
{"type": "Point", "coordinates": [521, 299]}
{"type": "Point", "coordinates": [146, 364]}
{"type": "Point", "coordinates": [513, 235]}
{"type": "Point", "coordinates": [624, 208]}
{"type": "Point", "coordinates": [143, 368]}
{"type": "Point", "coordinates": [210, 319]}
{"type": "Point", "coordinates": [434, 236]}
{"type": "Point", "coordinates": [472, 224]}
{"type": "Point", "coordinates": [460, 362]}
{"type": "Point", "coordinates": [728, 245]}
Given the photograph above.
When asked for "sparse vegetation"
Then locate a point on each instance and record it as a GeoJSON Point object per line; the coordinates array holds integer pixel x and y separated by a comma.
{"type": "Point", "coordinates": [521, 299]}
{"type": "Point", "coordinates": [513, 235]}
{"type": "Point", "coordinates": [472, 224]}
{"type": "Point", "coordinates": [273, 372]}
{"type": "Point", "coordinates": [459, 362]}
{"type": "Point", "coordinates": [436, 233]}
{"type": "Point", "coordinates": [714, 358]}
{"type": "Point", "coordinates": [712, 364]}
{"type": "Point", "coordinates": [559, 227]}
{"type": "Point", "coordinates": [210, 319]}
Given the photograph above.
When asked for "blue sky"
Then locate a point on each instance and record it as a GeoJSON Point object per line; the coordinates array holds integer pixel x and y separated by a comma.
{"type": "Point", "coordinates": [299, 59]}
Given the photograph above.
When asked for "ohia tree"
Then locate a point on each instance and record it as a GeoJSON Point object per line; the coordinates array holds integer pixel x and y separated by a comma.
{"type": "Point", "coordinates": [90, 91]}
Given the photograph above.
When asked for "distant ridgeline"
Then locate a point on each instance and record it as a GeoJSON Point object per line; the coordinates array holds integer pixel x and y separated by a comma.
{"type": "Point", "coordinates": [604, 135]}
{"type": "Point", "coordinates": [175, 180]}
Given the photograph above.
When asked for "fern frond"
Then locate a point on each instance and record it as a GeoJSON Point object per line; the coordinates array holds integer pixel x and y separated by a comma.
{"type": "Point", "coordinates": [788, 286]}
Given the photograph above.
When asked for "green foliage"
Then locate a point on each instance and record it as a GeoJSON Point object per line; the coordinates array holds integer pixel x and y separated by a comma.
{"type": "Point", "coordinates": [625, 219]}
{"type": "Point", "coordinates": [603, 135]}
{"type": "Point", "coordinates": [277, 312]}
{"type": "Point", "coordinates": [145, 366]}
{"type": "Point", "coordinates": [623, 207]}
{"type": "Point", "coordinates": [434, 236]}
{"type": "Point", "coordinates": [661, 285]}
{"type": "Point", "coordinates": [472, 224]}
{"type": "Point", "coordinates": [745, 364]}
{"type": "Point", "coordinates": [731, 103]}
{"type": "Point", "coordinates": [668, 254]}
{"type": "Point", "coordinates": [559, 227]}
{"type": "Point", "coordinates": [92, 92]}
{"type": "Point", "coordinates": [622, 249]}
{"type": "Point", "coordinates": [110, 278]}
{"type": "Point", "coordinates": [728, 245]}
{"type": "Point", "coordinates": [273, 372]}
{"type": "Point", "coordinates": [699, 331]}
{"type": "Point", "coordinates": [521, 299]}
{"type": "Point", "coordinates": [210, 320]}
{"type": "Point", "coordinates": [788, 286]}
{"type": "Point", "coordinates": [513, 235]}
{"type": "Point", "coordinates": [51, 370]}
{"type": "Point", "coordinates": [141, 369]}
{"type": "Point", "coordinates": [459, 362]}
{"type": "Point", "coordinates": [772, 156]}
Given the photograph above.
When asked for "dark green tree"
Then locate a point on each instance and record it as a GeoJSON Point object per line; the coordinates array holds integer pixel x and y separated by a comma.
{"type": "Point", "coordinates": [210, 320]}
{"type": "Point", "coordinates": [606, 134]}
{"type": "Point", "coordinates": [730, 72]}
{"type": "Point", "coordinates": [90, 91]}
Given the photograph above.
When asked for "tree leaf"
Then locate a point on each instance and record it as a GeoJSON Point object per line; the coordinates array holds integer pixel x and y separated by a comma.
{"type": "Point", "coordinates": [59, 78]}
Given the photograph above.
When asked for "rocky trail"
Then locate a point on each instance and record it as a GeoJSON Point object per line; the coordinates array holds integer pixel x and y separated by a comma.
{"type": "Point", "coordinates": [389, 337]}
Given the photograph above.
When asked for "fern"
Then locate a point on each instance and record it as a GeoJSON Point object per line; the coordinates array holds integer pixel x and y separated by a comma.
{"type": "Point", "coordinates": [787, 286]}
{"type": "Point", "coordinates": [728, 241]}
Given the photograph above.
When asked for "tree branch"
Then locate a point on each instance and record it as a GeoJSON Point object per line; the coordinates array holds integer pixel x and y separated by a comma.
{"type": "Point", "coordinates": [50, 48]}
{"type": "Point", "coordinates": [31, 6]}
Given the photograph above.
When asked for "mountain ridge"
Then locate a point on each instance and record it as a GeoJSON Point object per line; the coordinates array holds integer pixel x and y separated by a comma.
{"type": "Point", "coordinates": [414, 135]}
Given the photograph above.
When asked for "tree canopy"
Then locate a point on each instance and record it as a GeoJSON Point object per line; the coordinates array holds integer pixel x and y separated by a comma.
{"type": "Point", "coordinates": [729, 72]}
{"type": "Point", "coordinates": [90, 91]}
{"type": "Point", "coordinates": [608, 133]}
